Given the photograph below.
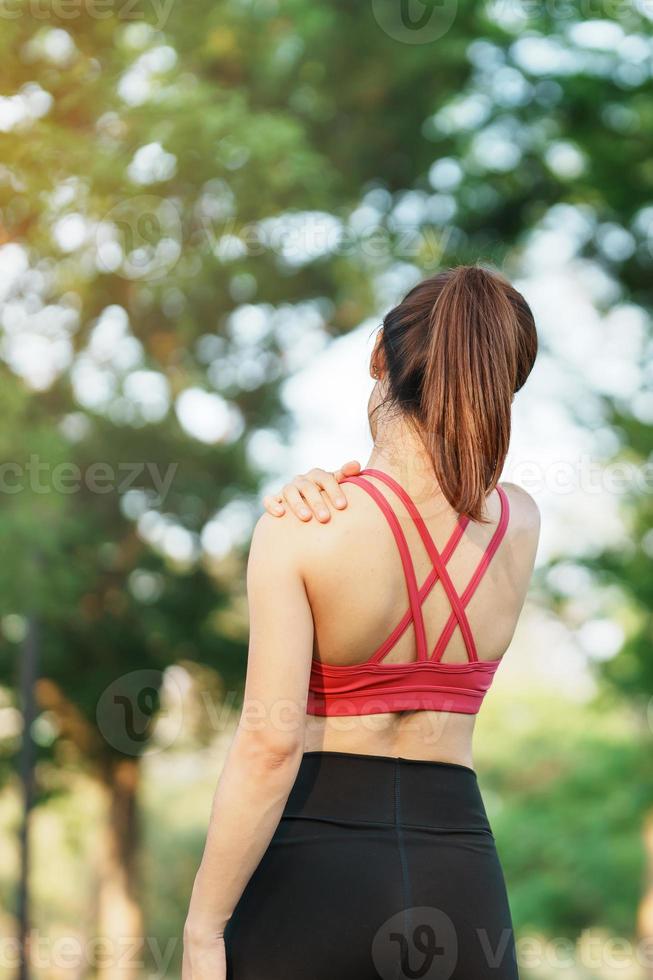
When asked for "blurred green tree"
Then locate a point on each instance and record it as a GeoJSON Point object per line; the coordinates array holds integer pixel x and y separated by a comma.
{"type": "Point", "coordinates": [173, 216]}
{"type": "Point", "coordinates": [194, 203]}
{"type": "Point", "coordinates": [133, 215]}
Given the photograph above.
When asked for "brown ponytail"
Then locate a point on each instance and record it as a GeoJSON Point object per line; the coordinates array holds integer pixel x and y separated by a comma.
{"type": "Point", "coordinates": [457, 349]}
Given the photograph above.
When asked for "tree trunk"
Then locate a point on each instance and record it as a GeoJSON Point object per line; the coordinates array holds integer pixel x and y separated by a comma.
{"type": "Point", "coordinates": [119, 914]}
{"type": "Point", "coordinates": [28, 676]}
{"type": "Point", "coordinates": [645, 911]}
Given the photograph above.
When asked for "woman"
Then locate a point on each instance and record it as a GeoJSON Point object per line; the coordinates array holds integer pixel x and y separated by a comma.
{"type": "Point", "coordinates": [348, 838]}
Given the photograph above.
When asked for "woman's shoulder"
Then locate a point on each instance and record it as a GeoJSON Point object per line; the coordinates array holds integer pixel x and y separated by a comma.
{"type": "Point", "coordinates": [524, 512]}
{"type": "Point", "coordinates": [288, 538]}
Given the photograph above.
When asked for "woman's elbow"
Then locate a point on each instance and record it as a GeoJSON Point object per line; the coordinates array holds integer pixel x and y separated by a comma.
{"type": "Point", "coordinates": [270, 752]}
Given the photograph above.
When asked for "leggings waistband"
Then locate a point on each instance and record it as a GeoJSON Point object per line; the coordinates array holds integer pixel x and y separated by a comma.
{"type": "Point", "coordinates": [375, 789]}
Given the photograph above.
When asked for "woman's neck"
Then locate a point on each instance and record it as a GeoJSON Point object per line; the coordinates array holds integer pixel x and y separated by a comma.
{"type": "Point", "coordinates": [399, 451]}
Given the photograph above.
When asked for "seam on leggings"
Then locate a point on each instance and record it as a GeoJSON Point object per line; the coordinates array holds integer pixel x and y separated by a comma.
{"type": "Point", "coordinates": [405, 878]}
{"type": "Point", "coordinates": [384, 825]}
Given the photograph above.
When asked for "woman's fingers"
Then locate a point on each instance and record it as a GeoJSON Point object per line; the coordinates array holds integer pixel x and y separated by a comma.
{"type": "Point", "coordinates": [304, 497]}
{"type": "Point", "coordinates": [328, 484]}
{"type": "Point", "coordinates": [310, 494]}
{"type": "Point", "coordinates": [274, 505]}
{"type": "Point", "coordinates": [352, 468]}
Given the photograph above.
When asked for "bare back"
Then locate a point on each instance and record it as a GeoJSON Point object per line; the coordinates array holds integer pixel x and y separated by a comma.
{"type": "Point", "coordinates": [357, 591]}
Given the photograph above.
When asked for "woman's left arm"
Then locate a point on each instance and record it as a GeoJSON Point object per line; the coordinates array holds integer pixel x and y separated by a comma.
{"type": "Point", "coordinates": [265, 754]}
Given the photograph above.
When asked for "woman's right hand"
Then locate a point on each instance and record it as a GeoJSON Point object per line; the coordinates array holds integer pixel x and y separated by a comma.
{"type": "Point", "coordinates": [311, 494]}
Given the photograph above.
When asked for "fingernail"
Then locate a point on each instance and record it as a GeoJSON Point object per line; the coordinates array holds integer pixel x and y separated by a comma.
{"type": "Point", "coordinates": [323, 515]}
{"type": "Point", "coordinates": [340, 501]}
{"type": "Point", "coordinates": [304, 512]}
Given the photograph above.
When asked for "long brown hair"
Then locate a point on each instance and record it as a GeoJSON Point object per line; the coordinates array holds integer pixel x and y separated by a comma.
{"type": "Point", "coordinates": [456, 349]}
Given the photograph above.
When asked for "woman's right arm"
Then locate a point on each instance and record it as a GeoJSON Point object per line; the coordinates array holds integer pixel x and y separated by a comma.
{"type": "Point", "coordinates": [311, 494]}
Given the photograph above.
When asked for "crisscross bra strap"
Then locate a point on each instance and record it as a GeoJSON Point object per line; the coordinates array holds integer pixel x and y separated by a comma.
{"type": "Point", "coordinates": [415, 613]}
{"type": "Point", "coordinates": [458, 616]}
{"type": "Point", "coordinates": [425, 590]}
{"type": "Point", "coordinates": [480, 571]}
{"type": "Point", "coordinates": [458, 610]}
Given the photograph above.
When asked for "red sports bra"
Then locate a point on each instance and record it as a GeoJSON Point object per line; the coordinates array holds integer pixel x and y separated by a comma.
{"type": "Point", "coordinates": [425, 683]}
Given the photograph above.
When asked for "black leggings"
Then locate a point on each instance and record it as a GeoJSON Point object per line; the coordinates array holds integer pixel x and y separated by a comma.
{"type": "Point", "coordinates": [380, 868]}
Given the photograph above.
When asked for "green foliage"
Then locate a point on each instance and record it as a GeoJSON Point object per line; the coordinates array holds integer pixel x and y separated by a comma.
{"type": "Point", "coordinates": [567, 811]}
